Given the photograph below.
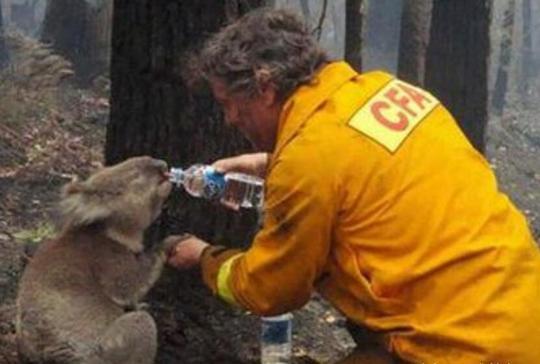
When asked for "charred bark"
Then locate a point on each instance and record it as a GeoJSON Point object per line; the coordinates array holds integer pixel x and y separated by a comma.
{"type": "Point", "coordinates": [457, 62]}
{"type": "Point", "coordinates": [415, 25]}
{"type": "Point", "coordinates": [154, 113]}
{"type": "Point", "coordinates": [354, 14]}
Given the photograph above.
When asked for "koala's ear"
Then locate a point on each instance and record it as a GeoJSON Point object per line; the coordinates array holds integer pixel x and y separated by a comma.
{"type": "Point", "coordinates": [73, 187]}
{"type": "Point", "coordinates": [80, 207]}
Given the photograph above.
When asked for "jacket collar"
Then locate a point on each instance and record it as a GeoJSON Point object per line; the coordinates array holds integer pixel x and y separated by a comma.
{"type": "Point", "coordinates": [307, 98]}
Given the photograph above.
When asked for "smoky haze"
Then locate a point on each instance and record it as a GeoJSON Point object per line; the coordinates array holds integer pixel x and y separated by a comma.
{"type": "Point", "coordinates": [381, 32]}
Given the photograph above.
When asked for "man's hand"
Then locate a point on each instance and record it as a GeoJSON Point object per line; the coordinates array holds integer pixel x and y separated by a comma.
{"type": "Point", "coordinates": [186, 252]}
{"type": "Point", "coordinates": [254, 164]}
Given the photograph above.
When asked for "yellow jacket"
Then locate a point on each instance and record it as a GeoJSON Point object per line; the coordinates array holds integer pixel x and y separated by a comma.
{"type": "Point", "coordinates": [375, 198]}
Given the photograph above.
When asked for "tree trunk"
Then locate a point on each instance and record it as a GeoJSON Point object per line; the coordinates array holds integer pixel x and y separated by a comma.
{"type": "Point", "coordinates": [415, 25]}
{"type": "Point", "coordinates": [6, 10]}
{"type": "Point", "coordinates": [457, 62]}
{"type": "Point", "coordinates": [99, 39]}
{"type": "Point", "coordinates": [23, 15]}
{"type": "Point", "coordinates": [505, 59]}
{"type": "Point", "coordinates": [306, 11]}
{"type": "Point", "coordinates": [76, 30]}
{"type": "Point", "coordinates": [4, 58]}
{"type": "Point", "coordinates": [381, 36]}
{"type": "Point", "coordinates": [354, 13]}
{"type": "Point", "coordinates": [153, 113]}
{"type": "Point", "coordinates": [338, 33]}
{"type": "Point", "coordinates": [527, 49]}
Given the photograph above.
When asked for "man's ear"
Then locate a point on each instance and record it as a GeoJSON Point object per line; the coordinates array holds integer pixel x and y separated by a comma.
{"type": "Point", "coordinates": [266, 88]}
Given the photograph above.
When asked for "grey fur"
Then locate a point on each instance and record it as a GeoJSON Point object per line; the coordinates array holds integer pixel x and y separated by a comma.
{"type": "Point", "coordinates": [74, 294]}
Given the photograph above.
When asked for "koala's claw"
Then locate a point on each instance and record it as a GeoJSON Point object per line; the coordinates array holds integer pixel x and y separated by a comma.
{"type": "Point", "coordinates": [142, 306]}
{"type": "Point", "coordinates": [139, 306]}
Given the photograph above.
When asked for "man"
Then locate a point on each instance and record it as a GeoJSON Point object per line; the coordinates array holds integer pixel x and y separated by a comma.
{"type": "Point", "coordinates": [374, 198]}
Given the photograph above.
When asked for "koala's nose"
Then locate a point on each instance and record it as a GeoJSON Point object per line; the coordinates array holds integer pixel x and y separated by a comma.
{"type": "Point", "coordinates": [161, 165]}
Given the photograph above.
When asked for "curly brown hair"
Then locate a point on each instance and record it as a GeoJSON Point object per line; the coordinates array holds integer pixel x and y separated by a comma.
{"type": "Point", "coordinates": [263, 45]}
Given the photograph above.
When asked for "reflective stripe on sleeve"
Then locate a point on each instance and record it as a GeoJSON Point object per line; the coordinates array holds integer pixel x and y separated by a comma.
{"type": "Point", "coordinates": [223, 289]}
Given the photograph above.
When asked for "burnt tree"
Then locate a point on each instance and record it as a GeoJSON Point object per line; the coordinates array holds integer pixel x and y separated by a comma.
{"type": "Point", "coordinates": [306, 11]}
{"type": "Point", "coordinates": [6, 11]}
{"type": "Point", "coordinates": [98, 42]}
{"type": "Point", "coordinates": [527, 71]}
{"type": "Point", "coordinates": [4, 58]}
{"type": "Point", "coordinates": [498, 99]}
{"type": "Point", "coordinates": [457, 63]}
{"type": "Point", "coordinates": [354, 13]}
{"type": "Point", "coordinates": [414, 38]}
{"type": "Point", "coordinates": [77, 29]}
{"type": "Point", "coordinates": [22, 13]}
{"type": "Point", "coordinates": [381, 35]}
{"type": "Point", "coordinates": [154, 113]}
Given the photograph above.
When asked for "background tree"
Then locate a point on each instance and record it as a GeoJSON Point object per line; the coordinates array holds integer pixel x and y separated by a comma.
{"type": "Point", "coordinates": [6, 11]}
{"type": "Point", "coordinates": [527, 49]}
{"type": "Point", "coordinates": [414, 38]}
{"type": "Point", "coordinates": [306, 11]}
{"type": "Point", "coordinates": [337, 33]}
{"type": "Point", "coordinates": [381, 35]}
{"type": "Point", "coordinates": [354, 14]}
{"type": "Point", "coordinates": [505, 58]}
{"type": "Point", "coordinates": [457, 62]}
{"type": "Point", "coordinates": [77, 29]}
{"type": "Point", "coordinates": [154, 113]}
{"type": "Point", "coordinates": [318, 29]}
{"type": "Point", "coordinates": [3, 49]}
{"type": "Point", "coordinates": [99, 39]}
{"type": "Point", "coordinates": [22, 13]}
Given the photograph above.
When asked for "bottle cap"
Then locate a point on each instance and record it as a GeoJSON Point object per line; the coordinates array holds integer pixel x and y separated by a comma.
{"type": "Point", "coordinates": [176, 176]}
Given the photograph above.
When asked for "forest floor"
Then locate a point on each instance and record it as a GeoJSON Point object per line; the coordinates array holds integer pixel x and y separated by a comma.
{"type": "Point", "coordinates": [47, 137]}
{"type": "Point", "coordinates": [513, 150]}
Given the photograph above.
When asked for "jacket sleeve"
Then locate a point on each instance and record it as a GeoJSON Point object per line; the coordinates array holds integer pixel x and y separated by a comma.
{"type": "Point", "coordinates": [277, 274]}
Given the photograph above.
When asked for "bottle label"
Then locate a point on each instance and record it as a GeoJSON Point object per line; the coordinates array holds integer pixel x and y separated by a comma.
{"type": "Point", "coordinates": [276, 332]}
{"type": "Point", "coordinates": [214, 183]}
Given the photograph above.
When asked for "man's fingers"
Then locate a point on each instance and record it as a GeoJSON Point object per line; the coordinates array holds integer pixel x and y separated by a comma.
{"type": "Point", "coordinates": [230, 205]}
{"type": "Point", "coordinates": [254, 163]}
{"type": "Point", "coordinates": [176, 261]}
{"type": "Point", "coordinates": [186, 253]}
{"type": "Point", "coordinates": [171, 242]}
{"type": "Point", "coordinates": [228, 165]}
{"type": "Point", "coordinates": [176, 258]}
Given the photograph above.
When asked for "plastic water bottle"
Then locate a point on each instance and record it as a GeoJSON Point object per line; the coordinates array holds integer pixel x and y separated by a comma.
{"type": "Point", "coordinates": [234, 190]}
{"type": "Point", "coordinates": [276, 339]}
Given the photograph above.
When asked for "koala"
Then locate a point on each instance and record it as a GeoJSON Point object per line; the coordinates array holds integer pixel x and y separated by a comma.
{"type": "Point", "coordinates": [79, 297]}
